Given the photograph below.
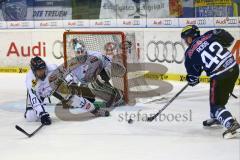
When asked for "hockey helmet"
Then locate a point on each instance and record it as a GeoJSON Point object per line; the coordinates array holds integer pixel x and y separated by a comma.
{"type": "Point", "coordinates": [78, 46]}
{"type": "Point", "coordinates": [190, 31]}
{"type": "Point", "coordinates": [37, 64]}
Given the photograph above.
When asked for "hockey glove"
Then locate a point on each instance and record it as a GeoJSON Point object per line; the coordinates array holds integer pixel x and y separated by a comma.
{"type": "Point", "coordinates": [192, 80]}
{"type": "Point", "coordinates": [45, 118]}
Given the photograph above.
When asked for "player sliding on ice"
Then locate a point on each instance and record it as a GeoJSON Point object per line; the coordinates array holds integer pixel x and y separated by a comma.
{"type": "Point", "coordinates": [209, 52]}
{"type": "Point", "coordinates": [92, 71]}
{"type": "Point", "coordinates": [44, 80]}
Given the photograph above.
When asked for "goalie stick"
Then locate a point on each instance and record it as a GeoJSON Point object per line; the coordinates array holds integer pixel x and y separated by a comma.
{"type": "Point", "coordinates": [27, 134]}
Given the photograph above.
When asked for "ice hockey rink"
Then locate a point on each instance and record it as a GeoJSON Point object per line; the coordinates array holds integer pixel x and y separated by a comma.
{"type": "Point", "coordinates": [110, 138]}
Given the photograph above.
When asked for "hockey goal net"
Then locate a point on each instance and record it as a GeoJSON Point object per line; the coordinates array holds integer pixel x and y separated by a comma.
{"type": "Point", "coordinates": [103, 42]}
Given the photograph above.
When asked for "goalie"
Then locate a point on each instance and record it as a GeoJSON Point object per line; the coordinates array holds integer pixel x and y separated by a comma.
{"type": "Point", "coordinates": [44, 80]}
{"type": "Point", "coordinates": [91, 71]}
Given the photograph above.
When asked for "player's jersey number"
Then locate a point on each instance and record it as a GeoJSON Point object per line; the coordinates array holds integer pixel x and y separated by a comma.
{"type": "Point", "coordinates": [34, 100]}
{"type": "Point", "coordinates": [215, 56]}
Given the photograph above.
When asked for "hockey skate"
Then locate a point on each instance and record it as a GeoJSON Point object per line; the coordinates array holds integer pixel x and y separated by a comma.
{"type": "Point", "coordinates": [100, 112]}
{"type": "Point", "coordinates": [212, 122]}
{"type": "Point", "coordinates": [233, 131]}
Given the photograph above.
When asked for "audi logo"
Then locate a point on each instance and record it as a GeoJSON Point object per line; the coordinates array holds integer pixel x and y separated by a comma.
{"type": "Point", "coordinates": [167, 22]}
{"type": "Point", "coordinates": [57, 49]}
{"type": "Point", "coordinates": [201, 21]}
{"type": "Point", "coordinates": [165, 51]}
{"type": "Point", "coordinates": [232, 21]}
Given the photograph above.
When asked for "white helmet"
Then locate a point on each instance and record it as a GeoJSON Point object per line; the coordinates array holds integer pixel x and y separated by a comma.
{"type": "Point", "coordinates": [78, 46]}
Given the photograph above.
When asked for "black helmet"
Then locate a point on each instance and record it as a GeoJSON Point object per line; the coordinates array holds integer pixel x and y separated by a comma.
{"type": "Point", "coordinates": [36, 64]}
{"type": "Point", "coordinates": [190, 31]}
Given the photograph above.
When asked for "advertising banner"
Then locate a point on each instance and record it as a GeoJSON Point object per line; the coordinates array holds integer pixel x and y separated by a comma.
{"type": "Point", "coordinates": [216, 8]}
{"type": "Point", "coordinates": [226, 21]}
{"type": "Point", "coordinates": [202, 3]}
{"type": "Point", "coordinates": [96, 23]}
{"type": "Point", "coordinates": [154, 45]}
{"type": "Point", "coordinates": [125, 23]}
{"type": "Point", "coordinates": [48, 24]}
{"type": "Point", "coordinates": [200, 22]}
{"type": "Point", "coordinates": [21, 45]}
{"type": "Point", "coordinates": [76, 23]}
{"type": "Point", "coordinates": [144, 46]}
{"type": "Point", "coordinates": [162, 22]}
{"type": "Point", "coordinates": [188, 8]}
{"type": "Point", "coordinates": [123, 9]}
{"type": "Point", "coordinates": [25, 10]}
{"type": "Point", "coordinates": [19, 24]}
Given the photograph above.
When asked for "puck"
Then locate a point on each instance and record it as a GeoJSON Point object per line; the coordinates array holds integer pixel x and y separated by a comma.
{"type": "Point", "coordinates": [130, 121]}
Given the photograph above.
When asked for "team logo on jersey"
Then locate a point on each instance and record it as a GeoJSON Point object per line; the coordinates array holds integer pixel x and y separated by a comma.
{"type": "Point", "coordinates": [34, 83]}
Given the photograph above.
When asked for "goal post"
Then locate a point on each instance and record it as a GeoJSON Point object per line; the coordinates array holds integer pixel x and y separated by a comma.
{"type": "Point", "coordinates": [99, 41]}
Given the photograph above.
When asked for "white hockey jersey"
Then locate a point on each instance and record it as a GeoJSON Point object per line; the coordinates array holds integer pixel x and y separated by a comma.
{"type": "Point", "coordinates": [38, 89]}
{"type": "Point", "coordinates": [86, 72]}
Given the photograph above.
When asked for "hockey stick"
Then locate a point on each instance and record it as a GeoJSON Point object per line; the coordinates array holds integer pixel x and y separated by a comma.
{"type": "Point", "coordinates": [27, 134]}
{"type": "Point", "coordinates": [150, 119]}
{"type": "Point", "coordinates": [233, 95]}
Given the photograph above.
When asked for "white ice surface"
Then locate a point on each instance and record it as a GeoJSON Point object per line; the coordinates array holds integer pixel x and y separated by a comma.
{"type": "Point", "coordinates": [110, 139]}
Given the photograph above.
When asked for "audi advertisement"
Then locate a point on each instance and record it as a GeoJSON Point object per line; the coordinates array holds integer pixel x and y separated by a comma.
{"type": "Point", "coordinates": [156, 46]}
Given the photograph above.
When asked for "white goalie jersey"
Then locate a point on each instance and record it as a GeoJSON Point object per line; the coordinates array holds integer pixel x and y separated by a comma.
{"type": "Point", "coordinates": [94, 63]}
{"type": "Point", "coordinates": [94, 70]}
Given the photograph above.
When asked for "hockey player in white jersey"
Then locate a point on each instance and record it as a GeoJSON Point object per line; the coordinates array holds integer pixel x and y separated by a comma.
{"type": "Point", "coordinates": [37, 90]}
{"type": "Point", "coordinates": [42, 81]}
{"type": "Point", "coordinates": [94, 71]}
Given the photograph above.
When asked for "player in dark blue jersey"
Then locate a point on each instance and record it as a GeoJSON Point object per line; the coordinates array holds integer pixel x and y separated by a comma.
{"type": "Point", "coordinates": [209, 53]}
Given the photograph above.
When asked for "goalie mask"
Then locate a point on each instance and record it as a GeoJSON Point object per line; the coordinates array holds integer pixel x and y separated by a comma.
{"type": "Point", "coordinates": [38, 67]}
{"type": "Point", "coordinates": [78, 47]}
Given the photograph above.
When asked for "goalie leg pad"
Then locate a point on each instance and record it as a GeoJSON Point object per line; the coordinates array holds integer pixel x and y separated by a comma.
{"type": "Point", "coordinates": [105, 91]}
{"type": "Point", "coordinates": [83, 91]}
{"type": "Point", "coordinates": [101, 90]}
{"type": "Point", "coordinates": [80, 102]}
